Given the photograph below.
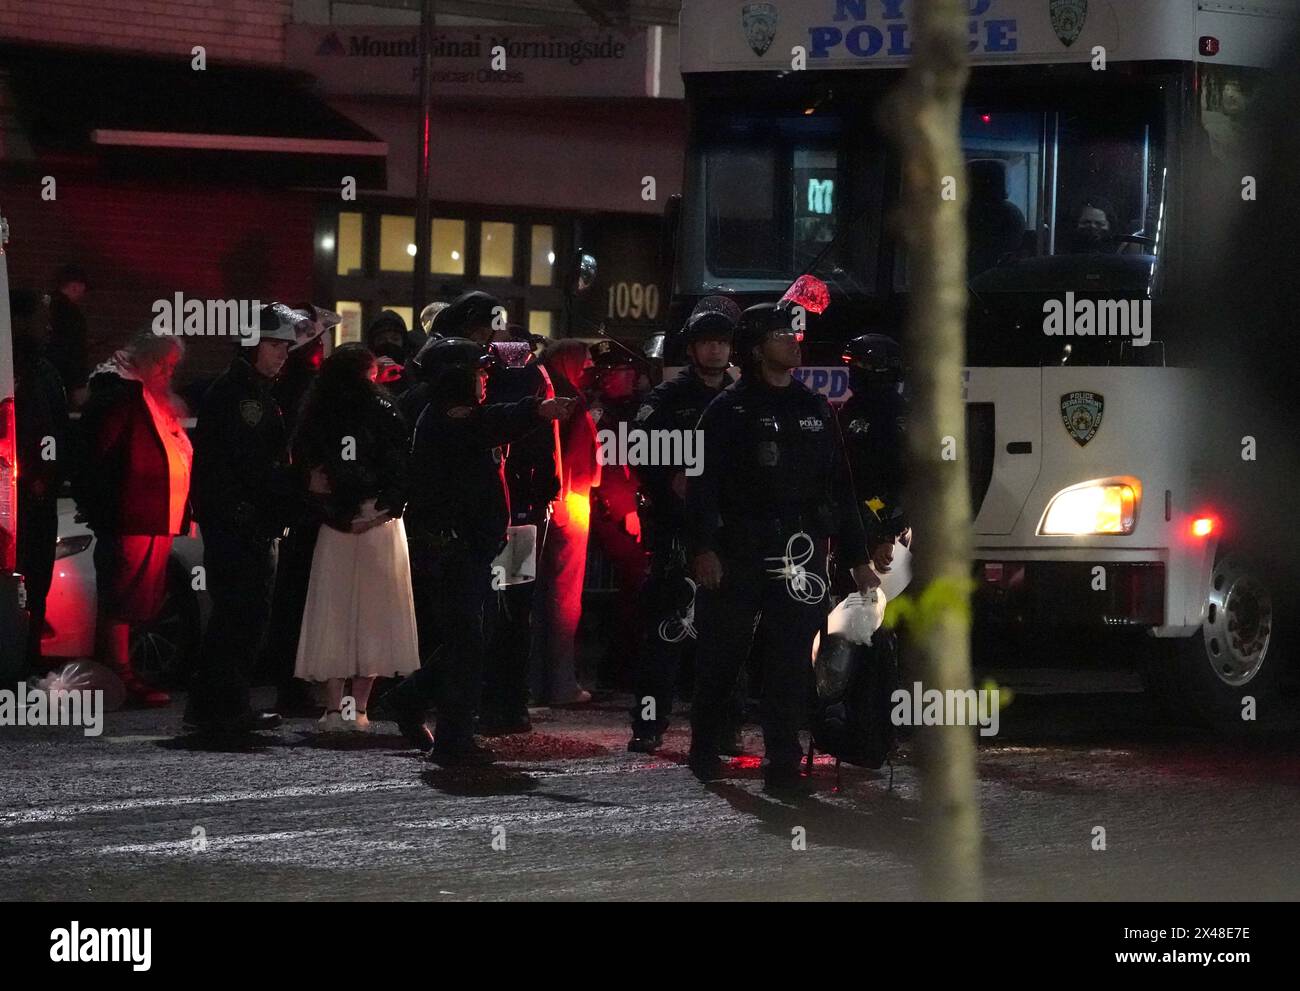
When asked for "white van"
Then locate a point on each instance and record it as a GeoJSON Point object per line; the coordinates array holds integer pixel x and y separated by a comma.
{"type": "Point", "coordinates": [13, 598]}
{"type": "Point", "coordinates": [1090, 131]}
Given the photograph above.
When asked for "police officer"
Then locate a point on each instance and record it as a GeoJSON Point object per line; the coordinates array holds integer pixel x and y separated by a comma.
{"type": "Point", "coordinates": [677, 405]}
{"type": "Point", "coordinates": [532, 483]}
{"type": "Point", "coordinates": [775, 488]}
{"type": "Point", "coordinates": [473, 315]}
{"type": "Point", "coordinates": [244, 495]}
{"type": "Point", "coordinates": [872, 423]}
{"type": "Point", "coordinates": [456, 524]}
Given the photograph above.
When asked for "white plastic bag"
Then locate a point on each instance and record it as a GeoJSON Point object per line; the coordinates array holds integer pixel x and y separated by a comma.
{"type": "Point", "coordinates": [857, 617]}
{"type": "Point", "coordinates": [83, 676]}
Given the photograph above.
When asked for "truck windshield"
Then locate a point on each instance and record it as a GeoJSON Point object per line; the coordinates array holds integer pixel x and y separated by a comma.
{"type": "Point", "coordinates": [1065, 181]}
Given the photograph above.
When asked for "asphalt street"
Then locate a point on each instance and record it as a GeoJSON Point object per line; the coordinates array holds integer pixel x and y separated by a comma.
{"type": "Point", "coordinates": [142, 812]}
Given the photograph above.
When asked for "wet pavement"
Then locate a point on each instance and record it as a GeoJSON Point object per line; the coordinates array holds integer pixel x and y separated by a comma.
{"type": "Point", "coordinates": [142, 813]}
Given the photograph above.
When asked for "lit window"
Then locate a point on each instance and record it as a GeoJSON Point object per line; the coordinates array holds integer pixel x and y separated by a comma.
{"type": "Point", "coordinates": [350, 328]}
{"type": "Point", "coordinates": [542, 268]}
{"type": "Point", "coordinates": [541, 322]}
{"type": "Point", "coordinates": [348, 244]}
{"type": "Point", "coordinates": [497, 251]}
{"type": "Point", "coordinates": [396, 238]}
{"type": "Point", "coordinates": [447, 255]}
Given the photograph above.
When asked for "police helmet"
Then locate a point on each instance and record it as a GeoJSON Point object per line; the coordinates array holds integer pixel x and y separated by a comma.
{"type": "Point", "coordinates": [757, 322]}
{"type": "Point", "coordinates": [710, 326]}
{"type": "Point", "coordinates": [443, 353]}
{"type": "Point", "coordinates": [713, 317]}
{"type": "Point", "coordinates": [876, 355]}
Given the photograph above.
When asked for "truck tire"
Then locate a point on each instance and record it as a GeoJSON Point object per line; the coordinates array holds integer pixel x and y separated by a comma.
{"type": "Point", "coordinates": [1206, 678]}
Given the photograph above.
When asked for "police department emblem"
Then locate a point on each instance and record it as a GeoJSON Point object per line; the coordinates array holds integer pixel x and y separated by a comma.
{"type": "Point", "coordinates": [859, 426]}
{"type": "Point", "coordinates": [1081, 412]}
{"type": "Point", "coordinates": [1067, 19]}
{"type": "Point", "coordinates": [759, 21]}
{"type": "Point", "coordinates": [251, 411]}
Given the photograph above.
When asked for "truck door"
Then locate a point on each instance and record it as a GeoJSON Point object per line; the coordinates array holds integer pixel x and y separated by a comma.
{"type": "Point", "coordinates": [1004, 434]}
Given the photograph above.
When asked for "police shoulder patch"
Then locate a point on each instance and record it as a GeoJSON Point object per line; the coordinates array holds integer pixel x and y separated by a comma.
{"type": "Point", "coordinates": [250, 411]}
{"type": "Point", "coordinates": [644, 413]}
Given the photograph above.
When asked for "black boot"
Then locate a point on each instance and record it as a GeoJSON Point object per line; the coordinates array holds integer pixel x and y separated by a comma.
{"type": "Point", "coordinates": [404, 707]}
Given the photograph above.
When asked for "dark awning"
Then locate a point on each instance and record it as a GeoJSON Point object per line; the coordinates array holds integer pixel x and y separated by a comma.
{"type": "Point", "coordinates": [224, 122]}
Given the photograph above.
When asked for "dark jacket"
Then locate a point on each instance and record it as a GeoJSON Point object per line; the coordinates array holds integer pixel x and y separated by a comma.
{"type": "Point", "coordinates": [872, 427]}
{"type": "Point", "coordinates": [377, 468]}
{"type": "Point", "coordinates": [122, 486]}
{"type": "Point", "coordinates": [773, 461]}
{"type": "Point", "coordinates": [676, 404]}
{"type": "Point", "coordinates": [242, 476]}
{"type": "Point", "coordinates": [457, 484]}
{"type": "Point", "coordinates": [67, 345]}
{"type": "Point", "coordinates": [40, 411]}
{"type": "Point", "coordinates": [530, 460]}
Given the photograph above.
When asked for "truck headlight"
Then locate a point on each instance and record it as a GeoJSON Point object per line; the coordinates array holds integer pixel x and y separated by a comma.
{"type": "Point", "coordinates": [1091, 508]}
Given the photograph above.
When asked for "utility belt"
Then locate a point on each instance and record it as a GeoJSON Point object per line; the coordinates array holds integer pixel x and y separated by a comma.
{"type": "Point", "coordinates": [744, 535]}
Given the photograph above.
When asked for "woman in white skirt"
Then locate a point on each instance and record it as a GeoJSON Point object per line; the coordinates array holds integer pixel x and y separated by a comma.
{"type": "Point", "coordinates": [359, 622]}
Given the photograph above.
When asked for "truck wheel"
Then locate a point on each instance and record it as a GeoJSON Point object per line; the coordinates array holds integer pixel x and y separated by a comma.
{"type": "Point", "coordinates": [1206, 677]}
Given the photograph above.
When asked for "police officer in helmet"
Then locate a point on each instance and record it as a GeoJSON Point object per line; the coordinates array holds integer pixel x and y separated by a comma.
{"type": "Point", "coordinates": [872, 422]}
{"type": "Point", "coordinates": [774, 491]}
{"type": "Point", "coordinates": [456, 524]}
{"type": "Point", "coordinates": [245, 495]}
{"type": "Point", "coordinates": [676, 404]}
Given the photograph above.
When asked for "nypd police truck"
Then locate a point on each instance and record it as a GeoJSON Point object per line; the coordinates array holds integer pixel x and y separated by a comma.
{"type": "Point", "coordinates": [1088, 127]}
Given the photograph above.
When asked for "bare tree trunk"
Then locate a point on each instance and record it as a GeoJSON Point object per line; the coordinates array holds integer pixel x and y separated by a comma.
{"type": "Point", "coordinates": [925, 117]}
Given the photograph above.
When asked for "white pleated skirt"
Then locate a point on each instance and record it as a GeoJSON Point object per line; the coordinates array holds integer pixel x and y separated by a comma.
{"type": "Point", "coordinates": [360, 616]}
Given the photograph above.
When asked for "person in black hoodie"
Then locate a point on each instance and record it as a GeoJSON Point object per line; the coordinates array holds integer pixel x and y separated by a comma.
{"type": "Point", "coordinates": [66, 348]}
{"type": "Point", "coordinates": [359, 620]}
{"type": "Point", "coordinates": [41, 412]}
{"type": "Point", "coordinates": [456, 523]}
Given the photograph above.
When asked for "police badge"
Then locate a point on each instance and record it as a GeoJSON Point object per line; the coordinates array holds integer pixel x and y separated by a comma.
{"type": "Point", "coordinates": [1081, 412]}
{"type": "Point", "coordinates": [251, 411]}
{"type": "Point", "coordinates": [1067, 19]}
{"type": "Point", "coordinates": [759, 21]}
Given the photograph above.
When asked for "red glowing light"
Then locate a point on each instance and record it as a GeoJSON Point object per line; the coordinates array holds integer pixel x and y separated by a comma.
{"type": "Point", "coordinates": [986, 118]}
{"type": "Point", "coordinates": [809, 292]}
{"type": "Point", "coordinates": [1202, 526]}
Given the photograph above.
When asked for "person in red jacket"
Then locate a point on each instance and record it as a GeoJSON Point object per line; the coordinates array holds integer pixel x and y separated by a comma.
{"type": "Point", "coordinates": [563, 566]}
{"type": "Point", "coordinates": [134, 493]}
